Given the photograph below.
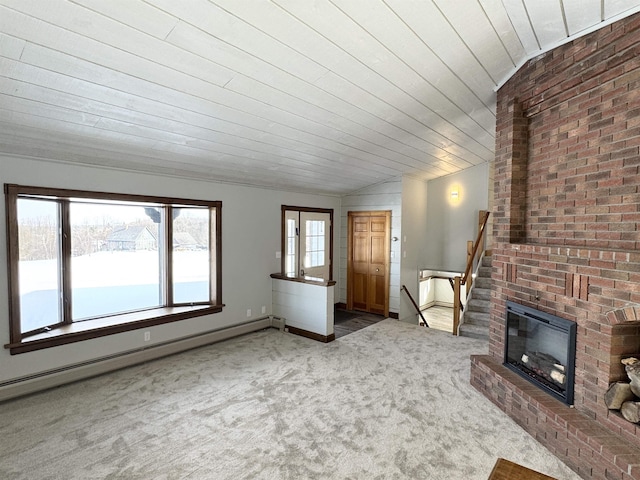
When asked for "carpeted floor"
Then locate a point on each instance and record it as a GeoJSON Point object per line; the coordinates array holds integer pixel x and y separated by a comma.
{"type": "Point", "coordinates": [391, 401]}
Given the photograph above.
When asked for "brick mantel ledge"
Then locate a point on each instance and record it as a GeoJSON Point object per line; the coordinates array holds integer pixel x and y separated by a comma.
{"type": "Point", "coordinates": [575, 252]}
{"type": "Point", "coordinates": [628, 314]}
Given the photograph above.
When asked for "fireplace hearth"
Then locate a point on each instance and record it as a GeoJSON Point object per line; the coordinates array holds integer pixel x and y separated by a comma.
{"type": "Point", "coordinates": [541, 348]}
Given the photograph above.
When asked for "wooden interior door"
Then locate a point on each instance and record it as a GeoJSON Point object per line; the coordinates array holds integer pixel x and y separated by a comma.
{"type": "Point", "coordinates": [368, 261]}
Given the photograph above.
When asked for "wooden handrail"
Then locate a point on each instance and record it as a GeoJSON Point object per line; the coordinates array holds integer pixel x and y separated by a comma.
{"type": "Point", "coordinates": [476, 244]}
{"type": "Point", "coordinates": [415, 305]}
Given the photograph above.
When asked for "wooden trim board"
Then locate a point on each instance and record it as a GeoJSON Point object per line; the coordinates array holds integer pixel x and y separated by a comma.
{"type": "Point", "coordinates": [506, 470]}
{"type": "Point", "coordinates": [311, 335]}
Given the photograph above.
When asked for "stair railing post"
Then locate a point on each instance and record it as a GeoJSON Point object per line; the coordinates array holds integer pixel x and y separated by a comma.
{"type": "Point", "coordinates": [482, 218]}
{"type": "Point", "coordinates": [456, 304]}
{"type": "Point", "coordinates": [469, 259]}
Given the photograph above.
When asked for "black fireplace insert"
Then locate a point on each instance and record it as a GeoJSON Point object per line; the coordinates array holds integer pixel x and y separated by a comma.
{"type": "Point", "coordinates": [541, 348]}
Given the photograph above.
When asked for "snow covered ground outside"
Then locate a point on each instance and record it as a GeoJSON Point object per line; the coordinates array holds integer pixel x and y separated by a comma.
{"type": "Point", "coordinates": [113, 269]}
{"type": "Point", "coordinates": [108, 282]}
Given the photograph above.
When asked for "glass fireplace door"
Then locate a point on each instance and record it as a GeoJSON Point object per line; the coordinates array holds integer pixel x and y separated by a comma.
{"type": "Point", "coordinates": [541, 348]}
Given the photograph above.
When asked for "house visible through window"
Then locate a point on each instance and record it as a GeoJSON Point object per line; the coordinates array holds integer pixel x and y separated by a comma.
{"type": "Point", "coordinates": [116, 251]}
{"type": "Point", "coordinates": [76, 257]}
{"type": "Point", "coordinates": [307, 243]}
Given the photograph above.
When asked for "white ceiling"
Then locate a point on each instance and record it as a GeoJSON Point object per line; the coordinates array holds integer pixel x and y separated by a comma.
{"type": "Point", "coordinates": [323, 96]}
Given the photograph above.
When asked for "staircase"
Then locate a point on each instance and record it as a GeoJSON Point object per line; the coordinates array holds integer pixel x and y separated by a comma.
{"type": "Point", "coordinates": [476, 311]}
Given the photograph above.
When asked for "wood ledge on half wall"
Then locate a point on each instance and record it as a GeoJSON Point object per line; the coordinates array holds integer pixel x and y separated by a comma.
{"type": "Point", "coordinates": [309, 280]}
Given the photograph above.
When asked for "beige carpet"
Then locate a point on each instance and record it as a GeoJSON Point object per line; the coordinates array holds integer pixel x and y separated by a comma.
{"type": "Point", "coordinates": [391, 401]}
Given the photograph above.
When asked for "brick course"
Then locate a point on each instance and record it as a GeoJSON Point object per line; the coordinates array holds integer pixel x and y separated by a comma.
{"type": "Point", "coordinates": [566, 222]}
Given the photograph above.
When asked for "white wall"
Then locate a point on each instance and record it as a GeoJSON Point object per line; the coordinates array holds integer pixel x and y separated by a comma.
{"type": "Point", "coordinates": [451, 224]}
{"type": "Point", "coordinates": [384, 196]}
{"type": "Point", "coordinates": [250, 239]}
{"type": "Point", "coordinates": [412, 243]}
{"type": "Point", "coordinates": [304, 305]}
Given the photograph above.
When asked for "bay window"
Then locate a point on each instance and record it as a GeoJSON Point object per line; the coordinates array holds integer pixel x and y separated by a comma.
{"type": "Point", "coordinates": [86, 264]}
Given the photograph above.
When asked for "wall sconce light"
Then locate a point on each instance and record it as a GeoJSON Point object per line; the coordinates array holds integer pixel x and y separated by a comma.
{"type": "Point", "coordinates": [455, 194]}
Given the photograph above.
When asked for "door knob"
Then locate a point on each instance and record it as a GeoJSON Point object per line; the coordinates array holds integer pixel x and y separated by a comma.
{"type": "Point", "coordinates": [377, 269]}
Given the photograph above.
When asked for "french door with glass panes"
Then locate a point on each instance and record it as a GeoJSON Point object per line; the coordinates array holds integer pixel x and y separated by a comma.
{"type": "Point", "coordinates": [307, 244]}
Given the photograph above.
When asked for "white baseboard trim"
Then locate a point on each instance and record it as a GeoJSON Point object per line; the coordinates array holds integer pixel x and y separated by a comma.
{"type": "Point", "coordinates": [444, 304]}
{"type": "Point", "coordinates": [435, 303]}
{"type": "Point", "coordinates": [80, 371]}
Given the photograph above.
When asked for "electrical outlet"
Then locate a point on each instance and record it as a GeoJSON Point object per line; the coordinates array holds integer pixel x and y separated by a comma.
{"type": "Point", "coordinates": [264, 309]}
{"type": "Point", "coordinates": [278, 254]}
{"type": "Point", "coordinates": [147, 336]}
{"type": "Point", "coordinates": [248, 312]}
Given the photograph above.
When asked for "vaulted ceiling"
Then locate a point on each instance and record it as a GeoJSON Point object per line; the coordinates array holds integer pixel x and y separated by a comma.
{"type": "Point", "coordinates": [324, 96]}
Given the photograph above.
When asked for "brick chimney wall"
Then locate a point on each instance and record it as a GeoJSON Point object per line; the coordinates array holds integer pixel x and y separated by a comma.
{"type": "Point", "coordinates": [566, 222]}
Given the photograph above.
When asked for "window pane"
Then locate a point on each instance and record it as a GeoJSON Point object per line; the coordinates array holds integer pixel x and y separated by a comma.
{"type": "Point", "coordinates": [191, 260]}
{"type": "Point", "coordinates": [314, 244]}
{"type": "Point", "coordinates": [39, 264]}
{"type": "Point", "coordinates": [115, 260]}
{"type": "Point", "coordinates": [290, 259]}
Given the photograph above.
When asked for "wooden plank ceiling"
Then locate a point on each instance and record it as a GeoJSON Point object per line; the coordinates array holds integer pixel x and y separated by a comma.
{"type": "Point", "coordinates": [324, 96]}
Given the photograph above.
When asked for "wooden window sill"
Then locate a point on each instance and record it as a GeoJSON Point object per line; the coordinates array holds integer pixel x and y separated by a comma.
{"type": "Point", "coordinates": [100, 327]}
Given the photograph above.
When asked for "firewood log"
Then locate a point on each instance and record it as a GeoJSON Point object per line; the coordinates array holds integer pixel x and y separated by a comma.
{"type": "Point", "coordinates": [545, 365]}
{"type": "Point", "coordinates": [559, 378]}
{"type": "Point", "coordinates": [617, 394]}
{"type": "Point", "coordinates": [632, 366]}
{"type": "Point", "coordinates": [631, 411]}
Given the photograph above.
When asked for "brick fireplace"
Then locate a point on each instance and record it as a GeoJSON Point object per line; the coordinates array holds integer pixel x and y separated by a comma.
{"type": "Point", "coordinates": [567, 238]}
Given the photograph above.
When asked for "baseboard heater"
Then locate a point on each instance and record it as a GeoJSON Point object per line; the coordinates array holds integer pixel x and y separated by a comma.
{"type": "Point", "coordinates": [79, 371]}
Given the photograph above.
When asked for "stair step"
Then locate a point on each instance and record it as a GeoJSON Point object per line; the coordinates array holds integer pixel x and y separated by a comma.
{"type": "Point", "coordinates": [480, 293]}
{"type": "Point", "coordinates": [477, 305]}
{"type": "Point", "coordinates": [481, 282]}
{"type": "Point", "coordinates": [477, 318]}
{"type": "Point", "coordinates": [484, 272]}
{"type": "Point", "coordinates": [486, 261]}
{"type": "Point", "coordinates": [474, 331]}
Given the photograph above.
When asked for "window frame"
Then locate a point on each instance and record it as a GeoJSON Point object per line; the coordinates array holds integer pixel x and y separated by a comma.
{"type": "Point", "coordinates": [283, 243]}
{"type": "Point", "coordinates": [69, 331]}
